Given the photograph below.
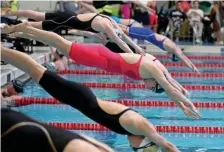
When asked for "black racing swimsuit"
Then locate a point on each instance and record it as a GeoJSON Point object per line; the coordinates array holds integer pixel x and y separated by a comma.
{"type": "Point", "coordinates": [55, 21]}
{"type": "Point", "coordinates": [99, 4]}
{"type": "Point", "coordinates": [115, 48]}
{"type": "Point", "coordinates": [81, 98]}
{"type": "Point", "coordinates": [20, 133]}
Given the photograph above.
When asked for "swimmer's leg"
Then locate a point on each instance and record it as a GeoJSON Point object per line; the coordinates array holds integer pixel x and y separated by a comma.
{"type": "Point", "coordinates": [137, 125]}
{"type": "Point", "coordinates": [6, 29]}
{"type": "Point", "coordinates": [46, 37]}
{"type": "Point", "coordinates": [38, 16]}
{"type": "Point", "coordinates": [23, 62]}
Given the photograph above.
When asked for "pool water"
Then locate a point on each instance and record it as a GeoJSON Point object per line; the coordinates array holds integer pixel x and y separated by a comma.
{"type": "Point", "coordinates": [187, 142]}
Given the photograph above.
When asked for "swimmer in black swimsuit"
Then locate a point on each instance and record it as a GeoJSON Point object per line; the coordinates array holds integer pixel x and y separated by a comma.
{"type": "Point", "coordinates": [24, 134]}
{"type": "Point", "coordinates": [88, 22]}
{"type": "Point", "coordinates": [114, 116]}
{"type": "Point", "coordinates": [100, 4]}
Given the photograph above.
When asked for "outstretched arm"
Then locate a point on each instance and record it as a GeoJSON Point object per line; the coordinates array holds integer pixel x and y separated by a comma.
{"type": "Point", "coordinates": [172, 81]}
{"type": "Point", "coordinates": [185, 60]}
{"type": "Point", "coordinates": [173, 93]}
{"type": "Point", "coordinates": [89, 34]}
{"type": "Point", "coordinates": [111, 33]}
{"type": "Point", "coordinates": [125, 29]}
{"type": "Point", "coordinates": [116, 33]}
{"type": "Point", "coordinates": [170, 46]}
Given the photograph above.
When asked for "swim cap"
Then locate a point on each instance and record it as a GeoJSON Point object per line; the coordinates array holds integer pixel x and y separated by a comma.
{"type": "Point", "coordinates": [158, 88]}
{"type": "Point", "coordinates": [61, 55]}
{"type": "Point", "coordinates": [147, 146]}
{"type": "Point", "coordinates": [174, 58]}
{"type": "Point", "coordinates": [51, 66]}
{"type": "Point", "coordinates": [18, 86]}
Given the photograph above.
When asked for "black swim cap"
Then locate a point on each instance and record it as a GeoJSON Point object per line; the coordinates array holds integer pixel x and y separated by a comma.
{"type": "Point", "coordinates": [18, 86]}
{"type": "Point", "coordinates": [158, 88]}
{"type": "Point", "coordinates": [61, 55]}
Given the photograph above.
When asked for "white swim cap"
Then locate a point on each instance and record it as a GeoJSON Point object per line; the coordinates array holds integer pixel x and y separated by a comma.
{"type": "Point", "coordinates": [147, 146]}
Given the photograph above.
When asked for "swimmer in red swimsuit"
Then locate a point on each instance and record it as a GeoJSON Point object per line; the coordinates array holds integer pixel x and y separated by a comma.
{"type": "Point", "coordinates": [146, 68]}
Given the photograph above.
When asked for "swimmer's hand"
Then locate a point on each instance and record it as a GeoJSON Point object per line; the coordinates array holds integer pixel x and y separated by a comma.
{"type": "Point", "coordinates": [190, 111]}
{"type": "Point", "coordinates": [195, 69]}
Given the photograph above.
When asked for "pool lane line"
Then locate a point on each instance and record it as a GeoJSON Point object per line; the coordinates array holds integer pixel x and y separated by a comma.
{"type": "Point", "coordinates": [143, 86]}
{"type": "Point", "coordinates": [199, 65]}
{"type": "Point", "coordinates": [174, 74]}
{"type": "Point", "coordinates": [161, 129]}
{"type": "Point", "coordinates": [216, 58]}
{"type": "Point", "coordinates": [139, 103]}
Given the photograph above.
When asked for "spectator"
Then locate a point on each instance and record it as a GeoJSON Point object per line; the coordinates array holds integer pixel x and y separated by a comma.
{"type": "Point", "coordinates": [221, 13]}
{"type": "Point", "coordinates": [11, 93]}
{"type": "Point", "coordinates": [195, 16]}
{"type": "Point", "coordinates": [141, 15]}
{"type": "Point", "coordinates": [126, 11]}
{"type": "Point", "coordinates": [153, 18]}
{"type": "Point", "coordinates": [177, 17]}
{"type": "Point", "coordinates": [215, 23]}
{"type": "Point", "coordinates": [163, 20]}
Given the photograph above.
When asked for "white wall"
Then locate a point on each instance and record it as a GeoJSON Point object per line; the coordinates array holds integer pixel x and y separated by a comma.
{"type": "Point", "coordinates": [38, 5]}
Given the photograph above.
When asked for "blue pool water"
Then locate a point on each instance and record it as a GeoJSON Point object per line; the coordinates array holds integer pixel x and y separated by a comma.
{"type": "Point", "coordinates": [156, 115]}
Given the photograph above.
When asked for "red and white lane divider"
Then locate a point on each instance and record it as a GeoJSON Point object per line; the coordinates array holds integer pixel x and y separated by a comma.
{"type": "Point", "coordinates": [162, 129]}
{"type": "Point", "coordinates": [143, 86]}
{"type": "Point", "coordinates": [199, 65]}
{"type": "Point", "coordinates": [194, 57]}
{"type": "Point", "coordinates": [31, 100]}
{"type": "Point", "coordinates": [174, 74]}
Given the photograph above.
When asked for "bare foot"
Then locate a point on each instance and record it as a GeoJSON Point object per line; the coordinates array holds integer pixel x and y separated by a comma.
{"type": "Point", "coordinates": [6, 12]}
{"type": "Point", "coordinates": [23, 27]}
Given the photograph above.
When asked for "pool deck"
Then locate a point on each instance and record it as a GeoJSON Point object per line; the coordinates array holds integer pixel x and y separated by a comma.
{"type": "Point", "coordinates": [43, 55]}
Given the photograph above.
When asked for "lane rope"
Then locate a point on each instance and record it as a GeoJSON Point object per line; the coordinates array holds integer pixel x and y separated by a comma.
{"type": "Point", "coordinates": [194, 57]}
{"type": "Point", "coordinates": [199, 65]}
{"type": "Point", "coordinates": [173, 74]}
{"type": "Point", "coordinates": [143, 86]}
{"type": "Point", "coordinates": [161, 129]}
{"type": "Point", "coordinates": [143, 103]}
